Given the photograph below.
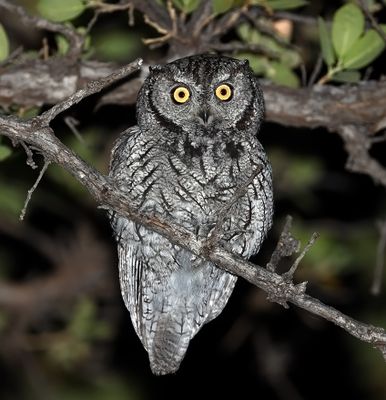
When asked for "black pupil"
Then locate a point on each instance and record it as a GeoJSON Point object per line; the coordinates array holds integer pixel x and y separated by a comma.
{"type": "Point", "coordinates": [223, 92]}
{"type": "Point", "coordinates": [181, 94]}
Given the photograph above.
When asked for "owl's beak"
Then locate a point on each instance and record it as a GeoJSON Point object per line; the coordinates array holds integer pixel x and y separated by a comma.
{"type": "Point", "coordinates": [204, 116]}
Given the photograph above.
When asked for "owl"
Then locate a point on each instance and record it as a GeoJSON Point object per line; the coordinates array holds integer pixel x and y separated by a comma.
{"type": "Point", "coordinates": [194, 146]}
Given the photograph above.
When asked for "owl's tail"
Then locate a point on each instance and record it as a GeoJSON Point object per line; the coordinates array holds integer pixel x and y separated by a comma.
{"type": "Point", "coordinates": [169, 344]}
{"type": "Point", "coordinates": [182, 315]}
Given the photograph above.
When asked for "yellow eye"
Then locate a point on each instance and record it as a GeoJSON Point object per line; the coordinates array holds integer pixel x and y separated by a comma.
{"type": "Point", "coordinates": [224, 92]}
{"type": "Point", "coordinates": [181, 94]}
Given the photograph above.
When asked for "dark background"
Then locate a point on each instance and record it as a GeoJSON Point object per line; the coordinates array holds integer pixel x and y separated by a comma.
{"type": "Point", "coordinates": [79, 343]}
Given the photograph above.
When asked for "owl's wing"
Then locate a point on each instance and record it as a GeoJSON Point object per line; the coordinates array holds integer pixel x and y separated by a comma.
{"type": "Point", "coordinates": [121, 153]}
{"type": "Point", "coordinates": [169, 296]}
{"type": "Point", "coordinates": [121, 150]}
{"type": "Point", "coordinates": [222, 287]}
{"type": "Point", "coordinates": [130, 276]}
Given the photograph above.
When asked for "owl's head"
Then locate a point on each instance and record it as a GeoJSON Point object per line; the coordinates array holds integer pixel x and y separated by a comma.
{"type": "Point", "coordinates": [203, 93]}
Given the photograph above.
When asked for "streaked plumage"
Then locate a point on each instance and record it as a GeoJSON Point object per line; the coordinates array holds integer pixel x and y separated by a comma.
{"type": "Point", "coordinates": [184, 160]}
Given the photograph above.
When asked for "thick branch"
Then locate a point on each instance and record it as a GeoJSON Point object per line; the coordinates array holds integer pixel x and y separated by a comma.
{"type": "Point", "coordinates": [105, 193]}
{"type": "Point", "coordinates": [355, 112]}
{"type": "Point", "coordinates": [325, 106]}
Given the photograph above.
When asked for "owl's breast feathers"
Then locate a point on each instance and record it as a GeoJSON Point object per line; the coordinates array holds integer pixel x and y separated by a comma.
{"type": "Point", "coordinates": [169, 292]}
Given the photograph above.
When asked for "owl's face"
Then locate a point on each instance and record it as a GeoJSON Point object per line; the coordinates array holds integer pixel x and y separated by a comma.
{"type": "Point", "coordinates": [203, 94]}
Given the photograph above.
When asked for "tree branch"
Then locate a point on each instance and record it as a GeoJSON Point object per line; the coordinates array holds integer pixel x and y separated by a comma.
{"type": "Point", "coordinates": [37, 133]}
{"type": "Point", "coordinates": [320, 106]}
{"type": "Point", "coordinates": [91, 88]}
{"type": "Point", "coordinates": [355, 112]}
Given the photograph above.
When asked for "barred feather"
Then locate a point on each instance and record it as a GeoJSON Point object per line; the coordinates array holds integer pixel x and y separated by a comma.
{"type": "Point", "coordinates": [187, 172]}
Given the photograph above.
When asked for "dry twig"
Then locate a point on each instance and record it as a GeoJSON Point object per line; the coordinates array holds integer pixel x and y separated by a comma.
{"type": "Point", "coordinates": [33, 188]}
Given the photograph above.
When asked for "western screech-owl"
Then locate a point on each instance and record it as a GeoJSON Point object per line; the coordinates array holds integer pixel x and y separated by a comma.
{"type": "Point", "coordinates": [195, 145]}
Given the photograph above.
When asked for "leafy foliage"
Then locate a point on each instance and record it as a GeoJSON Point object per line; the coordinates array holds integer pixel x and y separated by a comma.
{"type": "Point", "coordinates": [281, 4]}
{"type": "Point", "coordinates": [4, 44]}
{"type": "Point", "coordinates": [347, 26]}
{"type": "Point", "coordinates": [279, 71]}
{"type": "Point", "coordinates": [5, 152]}
{"type": "Point", "coordinates": [348, 47]}
{"type": "Point", "coordinates": [187, 6]}
{"type": "Point", "coordinates": [61, 11]}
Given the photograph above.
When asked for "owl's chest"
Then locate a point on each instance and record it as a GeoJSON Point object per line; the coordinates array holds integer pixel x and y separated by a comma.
{"type": "Point", "coordinates": [191, 193]}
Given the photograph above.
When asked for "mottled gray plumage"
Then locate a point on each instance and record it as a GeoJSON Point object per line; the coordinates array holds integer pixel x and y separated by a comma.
{"type": "Point", "coordinates": [185, 161]}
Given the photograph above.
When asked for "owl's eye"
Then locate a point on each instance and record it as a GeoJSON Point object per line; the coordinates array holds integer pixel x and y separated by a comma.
{"type": "Point", "coordinates": [180, 94]}
{"type": "Point", "coordinates": [224, 92]}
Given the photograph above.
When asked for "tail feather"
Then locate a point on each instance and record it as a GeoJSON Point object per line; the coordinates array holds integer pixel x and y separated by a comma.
{"type": "Point", "coordinates": [169, 344]}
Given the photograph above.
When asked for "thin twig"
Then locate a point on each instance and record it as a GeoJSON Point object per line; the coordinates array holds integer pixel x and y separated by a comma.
{"type": "Point", "coordinates": [302, 19]}
{"type": "Point", "coordinates": [373, 21]}
{"type": "Point", "coordinates": [131, 20]}
{"type": "Point", "coordinates": [228, 21]}
{"type": "Point", "coordinates": [200, 18]}
{"type": "Point", "coordinates": [91, 88]}
{"type": "Point", "coordinates": [316, 70]}
{"type": "Point", "coordinates": [71, 122]}
{"type": "Point", "coordinates": [286, 246]}
{"type": "Point", "coordinates": [166, 33]}
{"type": "Point", "coordinates": [92, 21]}
{"type": "Point", "coordinates": [33, 188]}
{"type": "Point", "coordinates": [30, 161]}
{"type": "Point", "coordinates": [106, 8]}
{"type": "Point", "coordinates": [379, 139]}
{"type": "Point", "coordinates": [290, 273]}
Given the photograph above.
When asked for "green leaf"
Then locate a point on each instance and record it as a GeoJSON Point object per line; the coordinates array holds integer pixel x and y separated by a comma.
{"type": "Point", "coordinates": [62, 44]}
{"type": "Point", "coordinates": [257, 63]}
{"type": "Point", "coordinates": [187, 6]}
{"type": "Point", "coordinates": [326, 43]}
{"type": "Point", "coordinates": [285, 4]}
{"type": "Point", "coordinates": [221, 6]}
{"type": "Point", "coordinates": [85, 324]}
{"type": "Point", "coordinates": [60, 10]}
{"type": "Point", "coordinates": [249, 34]}
{"type": "Point", "coordinates": [5, 152]}
{"type": "Point", "coordinates": [347, 76]}
{"type": "Point", "coordinates": [12, 198]}
{"type": "Point", "coordinates": [285, 55]}
{"type": "Point", "coordinates": [364, 51]}
{"type": "Point", "coordinates": [4, 44]}
{"type": "Point", "coordinates": [116, 45]}
{"type": "Point", "coordinates": [347, 26]}
{"type": "Point", "coordinates": [282, 75]}
{"type": "Point", "coordinates": [28, 113]}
